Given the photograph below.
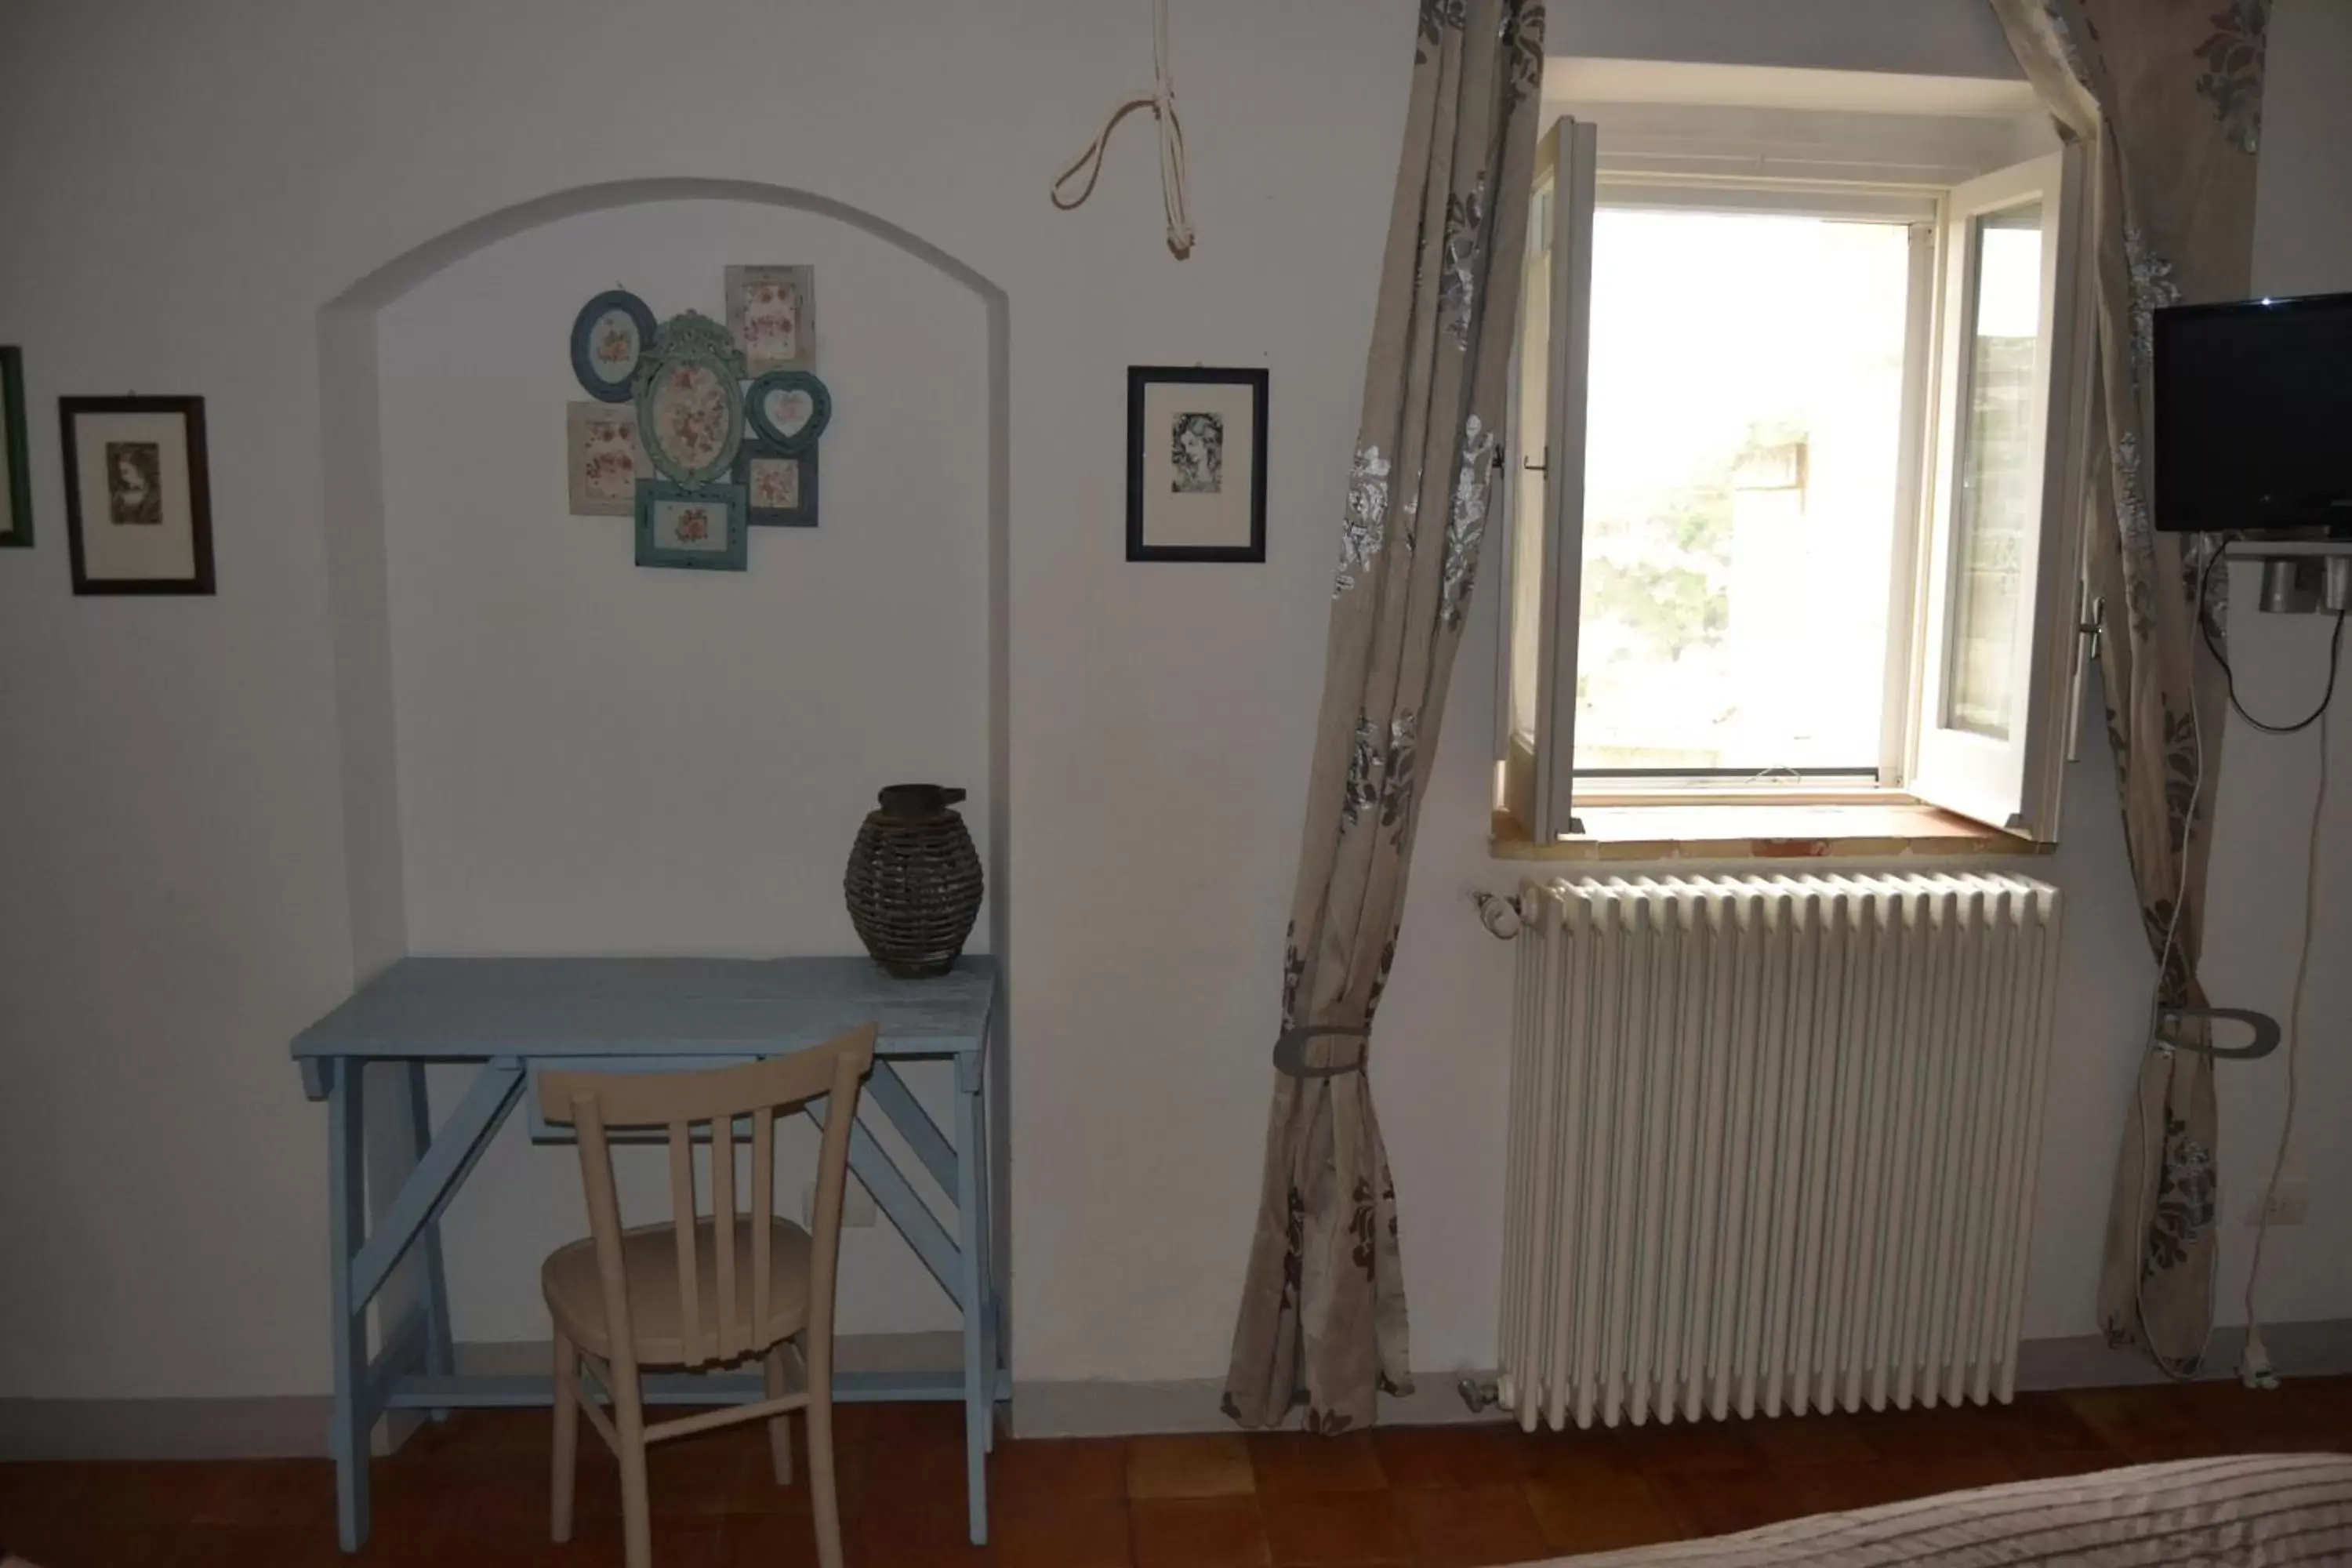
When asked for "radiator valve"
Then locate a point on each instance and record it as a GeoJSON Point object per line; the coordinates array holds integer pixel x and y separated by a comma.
{"type": "Point", "coordinates": [1501, 916]}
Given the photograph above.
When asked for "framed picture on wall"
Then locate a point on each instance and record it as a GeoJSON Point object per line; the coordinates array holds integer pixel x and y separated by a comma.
{"type": "Point", "coordinates": [1195, 464]}
{"type": "Point", "coordinates": [779, 484]}
{"type": "Point", "coordinates": [15, 461]}
{"type": "Point", "coordinates": [771, 311]}
{"type": "Point", "coordinates": [789, 409]}
{"type": "Point", "coordinates": [138, 496]}
{"type": "Point", "coordinates": [693, 530]}
{"type": "Point", "coordinates": [609, 340]}
{"type": "Point", "coordinates": [606, 461]}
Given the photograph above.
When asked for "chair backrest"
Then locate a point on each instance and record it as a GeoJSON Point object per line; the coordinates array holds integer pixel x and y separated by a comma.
{"type": "Point", "coordinates": [595, 1102]}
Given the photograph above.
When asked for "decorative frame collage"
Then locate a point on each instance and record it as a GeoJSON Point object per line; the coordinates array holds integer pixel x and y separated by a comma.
{"type": "Point", "coordinates": [699, 430]}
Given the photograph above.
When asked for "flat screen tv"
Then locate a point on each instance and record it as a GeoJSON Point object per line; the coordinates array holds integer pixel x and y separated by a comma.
{"type": "Point", "coordinates": [2253, 415]}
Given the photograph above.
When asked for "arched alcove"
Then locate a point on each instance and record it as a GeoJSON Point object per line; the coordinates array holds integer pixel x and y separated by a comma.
{"type": "Point", "coordinates": [546, 749]}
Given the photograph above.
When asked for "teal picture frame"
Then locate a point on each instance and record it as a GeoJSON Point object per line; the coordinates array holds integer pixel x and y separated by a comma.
{"type": "Point", "coordinates": [16, 494]}
{"type": "Point", "coordinates": [764, 425]}
{"type": "Point", "coordinates": [659, 527]}
{"type": "Point", "coordinates": [692, 344]}
{"type": "Point", "coordinates": [585, 350]}
{"type": "Point", "coordinates": [762, 510]}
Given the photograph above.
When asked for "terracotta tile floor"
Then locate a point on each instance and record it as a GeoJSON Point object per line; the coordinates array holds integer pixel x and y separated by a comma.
{"type": "Point", "coordinates": [475, 1491]}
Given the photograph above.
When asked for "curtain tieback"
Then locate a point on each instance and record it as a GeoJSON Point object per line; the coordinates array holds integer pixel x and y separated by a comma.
{"type": "Point", "coordinates": [1290, 1051]}
{"type": "Point", "coordinates": [1175, 183]}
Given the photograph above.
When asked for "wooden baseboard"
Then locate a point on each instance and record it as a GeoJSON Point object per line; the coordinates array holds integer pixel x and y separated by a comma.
{"type": "Point", "coordinates": [295, 1425]}
{"type": "Point", "coordinates": [2320, 1349]}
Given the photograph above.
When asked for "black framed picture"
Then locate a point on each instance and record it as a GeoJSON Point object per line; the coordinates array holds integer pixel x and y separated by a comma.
{"type": "Point", "coordinates": [1195, 463]}
{"type": "Point", "coordinates": [15, 461]}
{"type": "Point", "coordinates": [779, 483]}
{"type": "Point", "coordinates": [138, 496]}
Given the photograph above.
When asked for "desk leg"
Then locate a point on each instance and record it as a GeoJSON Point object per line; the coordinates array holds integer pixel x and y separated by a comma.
{"type": "Point", "coordinates": [440, 1358]}
{"type": "Point", "coordinates": [979, 1378]}
{"type": "Point", "coordinates": [347, 1438]}
{"type": "Point", "coordinates": [990, 1343]}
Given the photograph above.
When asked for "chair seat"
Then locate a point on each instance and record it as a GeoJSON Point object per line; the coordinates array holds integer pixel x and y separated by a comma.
{"type": "Point", "coordinates": [575, 1293]}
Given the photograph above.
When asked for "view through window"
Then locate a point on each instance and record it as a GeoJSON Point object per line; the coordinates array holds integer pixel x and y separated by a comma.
{"type": "Point", "coordinates": [1744, 441]}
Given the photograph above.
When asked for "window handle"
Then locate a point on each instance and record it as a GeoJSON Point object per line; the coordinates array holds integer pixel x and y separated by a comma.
{"type": "Point", "coordinates": [1531, 466]}
{"type": "Point", "coordinates": [2090, 636]}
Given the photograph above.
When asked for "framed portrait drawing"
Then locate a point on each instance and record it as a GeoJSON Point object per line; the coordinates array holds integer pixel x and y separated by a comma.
{"type": "Point", "coordinates": [779, 482]}
{"type": "Point", "coordinates": [694, 530]}
{"type": "Point", "coordinates": [771, 311]}
{"type": "Point", "coordinates": [609, 337]}
{"type": "Point", "coordinates": [605, 460]}
{"type": "Point", "coordinates": [15, 459]}
{"type": "Point", "coordinates": [1195, 464]}
{"type": "Point", "coordinates": [137, 502]}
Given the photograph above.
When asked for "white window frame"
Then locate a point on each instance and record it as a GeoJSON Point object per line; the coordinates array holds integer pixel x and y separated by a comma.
{"type": "Point", "coordinates": [1538, 795]}
{"type": "Point", "coordinates": [2011, 784]}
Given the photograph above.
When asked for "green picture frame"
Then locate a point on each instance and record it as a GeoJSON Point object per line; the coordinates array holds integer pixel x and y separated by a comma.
{"type": "Point", "coordinates": [666, 511]}
{"type": "Point", "coordinates": [772, 393]}
{"type": "Point", "coordinates": [16, 455]}
{"type": "Point", "coordinates": [690, 397]}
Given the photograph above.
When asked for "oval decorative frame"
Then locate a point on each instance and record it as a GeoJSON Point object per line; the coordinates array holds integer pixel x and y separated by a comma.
{"type": "Point", "coordinates": [688, 341]}
{"type": "Point", "coordinates": [755, 408]}
{"type": "Point", "coordinates": [583, 364]}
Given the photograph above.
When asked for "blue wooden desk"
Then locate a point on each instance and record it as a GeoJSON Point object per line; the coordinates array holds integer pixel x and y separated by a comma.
{"type": "Point", "coordinates": [515, 1015]}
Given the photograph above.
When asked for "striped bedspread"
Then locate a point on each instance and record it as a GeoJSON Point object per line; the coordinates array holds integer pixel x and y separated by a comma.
{"type": "Point", "coordinates": [2252, 1509]}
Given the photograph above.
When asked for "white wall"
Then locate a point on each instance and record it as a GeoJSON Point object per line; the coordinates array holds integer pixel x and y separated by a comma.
{"type": "Point", "coordinates": [172, 859]}
{"type": "Point", "coordinates": [596, 757]}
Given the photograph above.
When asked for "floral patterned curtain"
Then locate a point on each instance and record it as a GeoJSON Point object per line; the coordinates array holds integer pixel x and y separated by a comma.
{"type": "Point", "coordinates": [2167, 98]}
{"type": "Point", "coordinates": [1322, 1320]}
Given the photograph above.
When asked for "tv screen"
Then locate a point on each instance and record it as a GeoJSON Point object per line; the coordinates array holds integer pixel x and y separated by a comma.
{"type": "Point", "coordinates": [2253, 414]}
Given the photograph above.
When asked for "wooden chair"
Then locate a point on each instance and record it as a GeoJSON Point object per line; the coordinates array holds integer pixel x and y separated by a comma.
{"type": "Point", "coordinates": [700, 1291]}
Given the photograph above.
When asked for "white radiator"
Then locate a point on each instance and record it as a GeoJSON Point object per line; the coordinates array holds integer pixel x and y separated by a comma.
{"type": "Point", "coordinates": [1772, 1144]}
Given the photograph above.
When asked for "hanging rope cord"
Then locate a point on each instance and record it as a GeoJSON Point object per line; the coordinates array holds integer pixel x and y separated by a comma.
{"type": "Point", "coordinates": [1175, 184]}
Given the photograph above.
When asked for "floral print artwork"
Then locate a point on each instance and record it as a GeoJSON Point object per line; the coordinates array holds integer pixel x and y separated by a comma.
{"type": "Point", "coordinates": [789, 409]}
{"type": "Point", "coordinates": [771, 312]}
{"type": "Point", "coordinates": [614, 346]}
{"type": "Point", "coordinates": [697, 525]}
{"type": "Point", "coordinates": [610, 462]}
{"type": "Point", "coordinates": [775, 484]}
{"type": "Point", "coordinates": [771, 321]}
{"type": "Point", "coordinates": [606, 458]}
{"type": "Point", "coordinates": [692, 415]}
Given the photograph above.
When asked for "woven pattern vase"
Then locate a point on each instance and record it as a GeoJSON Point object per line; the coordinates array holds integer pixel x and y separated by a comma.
{"type": "Point", "coordinates": [913, 882]}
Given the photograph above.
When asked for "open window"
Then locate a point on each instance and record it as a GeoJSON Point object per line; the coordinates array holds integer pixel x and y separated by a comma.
{"type": "Point", "coordinates": [1792, 517]}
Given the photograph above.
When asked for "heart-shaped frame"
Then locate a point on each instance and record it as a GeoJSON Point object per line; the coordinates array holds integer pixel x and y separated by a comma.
{"type": "Point", "coordinates": [778, 383]}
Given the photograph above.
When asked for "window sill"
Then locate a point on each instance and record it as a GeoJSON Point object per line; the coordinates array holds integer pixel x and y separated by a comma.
{"type": "Point", "coordinates": [1678, 831]}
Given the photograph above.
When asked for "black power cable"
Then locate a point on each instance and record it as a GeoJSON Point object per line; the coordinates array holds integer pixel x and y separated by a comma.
{"type": "Point", "coordinates": [2230, 677]}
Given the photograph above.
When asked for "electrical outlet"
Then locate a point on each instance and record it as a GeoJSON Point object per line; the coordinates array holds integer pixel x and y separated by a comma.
{"type": "Point", "coordinates": [2291, 1204]}
{"type": "Point", "coordinates": [856, 1206]}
